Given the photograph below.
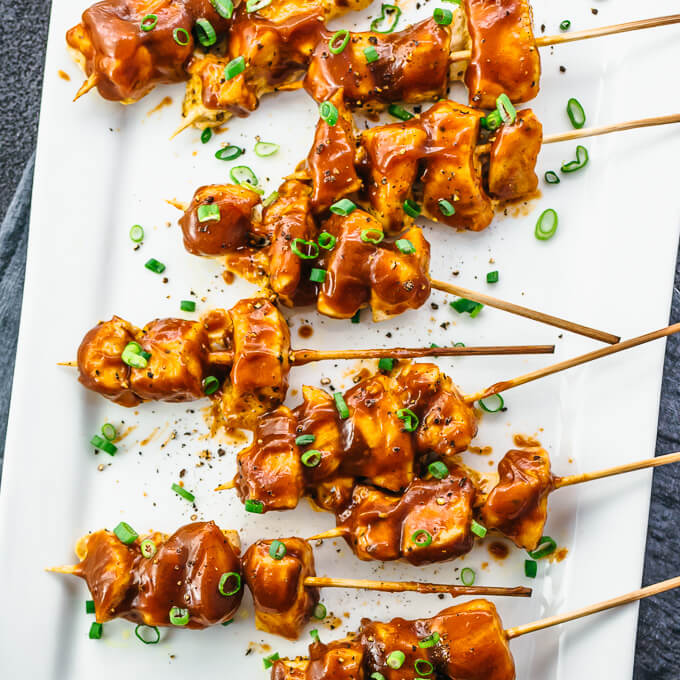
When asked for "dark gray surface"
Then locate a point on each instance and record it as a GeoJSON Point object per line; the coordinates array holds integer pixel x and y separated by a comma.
{"type": "Point", "coordinates": [21, 65]}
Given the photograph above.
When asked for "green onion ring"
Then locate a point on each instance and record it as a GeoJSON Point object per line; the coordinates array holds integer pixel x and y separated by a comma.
{"type": "Point", "coordinates": [395, 660]}
{"type": "Point", "coordinates": [386, 10]}
{"type": "Point", "coordinates": [148, 548]}
{"type": "Point", "coordinates": [576, 113]}
{"type": "Point", "coordinates": [229, 153]}
{"type": "Point", "coordinates": [255, 5]}
{"type": "Point", "coordinates": [506, 110]}
{"type": "Point", "coordinates": [206, 34]}
{"type": "Point", "coordinates": [442, 16]}
{"type": "Point", "coordinates": [429, 641]}
{"type": "Point", "coordinates": [264, 149]}
{"type": "Point", "coordinates": [140, 637]}
{"type": "Point", "coordinates": [225, 8]}
{"type": "Point", "coordinates": [421, 537]}
{"type": "Point", "coordinates": [336, 48]}
{"type": "Point", "coordinates": [136, 233]}
{"type": "Point", "coordinates": [245, 177]}
{"type": "Point", "coordinates": [367, 238]}
{"type": "Point", "coordinates": [223, 580]}
{"type": "Point", "coordinates": [546, 225]}
{"type": "Point", "coordinates": [410, 419]}
{"type": "Point", "coordinates": [580, 162]}
{"type": "Point", "coordinates": [178, 616]}
{"type": "Point", "coordinates": [499, 404]}
{"type": "Point", "coordinates": [428, 667]}
{"type": "Point", "coordinates": [467, 576]}
{"type": "Point", "coordinates": [311, 458]}
{"type": "Point", "coordinates": [546, 546]}
{"type": "Point", "coordinates": [319, 611]}
{"type": "Point", "coordinates": [109, 431]}
{"type": "Point", "coordinates": [328, 113]}
{"type": "Point", "coordinates": [551, 177]}
{"type": "Point", "coordinates": [149, 22]}
{"type": "Point", "coordinates": [477, 529]}
{"type": "Point", "coordinates": [312, 247]}
{"type": "Point", "coordinates": [277, 550]}
{"type": "Point", "coordinates": [185, 35]}
{"type": "Point", "coordinates": [326, 241]}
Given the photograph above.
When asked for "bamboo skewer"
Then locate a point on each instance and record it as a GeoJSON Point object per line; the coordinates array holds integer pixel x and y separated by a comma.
{"type": "Point", "coordinates": [413, 587]}
{"type": "Point", "coordinates": [86, 86]}
{"type": "Point", "coordinates": [569, 363]}
{"type": "Point", "coordinates": [634, 596]}
{"type": "Point", "coordinates": [544, 41]}
{"type": "Point", "coordinates": [525, 312]}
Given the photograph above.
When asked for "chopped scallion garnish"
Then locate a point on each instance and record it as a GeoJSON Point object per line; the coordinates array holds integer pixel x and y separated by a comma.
{"type": "Point", "coordinates": [181, 491]}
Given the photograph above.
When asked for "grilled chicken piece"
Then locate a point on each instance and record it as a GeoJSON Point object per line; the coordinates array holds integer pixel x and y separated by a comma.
{"type": "Point", "coordinates": [269, 470]}
{"type": "Point", "coordinates": [100, 367]}
{"type": "Point", "coordinates": [518, 505]}
{"type": "Point", "coordinates": [129, 61]}
{"type": "Point", "coordinates": [185, 572]}
{"type": "Point", "coordinates": [412, 66]}
{"type": "Point", "coordinates": [512, 162]}
{"type": "Point", "coordinates": [504, 54]}
{"type": "Point", "coordinates": [452, 173]}
{"type": "Point", "coordinates": [283, 604]}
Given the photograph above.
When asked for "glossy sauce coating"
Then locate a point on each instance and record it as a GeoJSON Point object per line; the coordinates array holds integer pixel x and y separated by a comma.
{"type": "Point", "coordinates": [512, 161]}
{"type": "Point", "coordinates": [283, 604]}
{"type": "Point", "coordinates": [504, 54]}
{"type": "Point", "coordinates": [185, 572]}
{"type": "Point", "coordinates": [518, 505]}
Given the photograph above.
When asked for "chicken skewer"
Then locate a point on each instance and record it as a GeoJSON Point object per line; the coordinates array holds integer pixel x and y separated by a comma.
{"type": "Point", "coordinates": [464, 642]}
{"type": "Point", "coordinates": [241, 357]}
{"type": "Point", "coordinates": [194, 578]}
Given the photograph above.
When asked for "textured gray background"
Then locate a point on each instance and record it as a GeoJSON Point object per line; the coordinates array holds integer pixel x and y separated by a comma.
{"type": "Point", "coordinates": [21, 72]}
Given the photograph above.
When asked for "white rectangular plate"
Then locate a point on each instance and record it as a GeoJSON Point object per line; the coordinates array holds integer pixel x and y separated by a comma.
{"type": "Point", "coordinates": [102, 167]}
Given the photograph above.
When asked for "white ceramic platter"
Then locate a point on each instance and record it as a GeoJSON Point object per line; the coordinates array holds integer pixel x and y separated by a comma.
{"type": "Point", "coordinates": [102, 167]}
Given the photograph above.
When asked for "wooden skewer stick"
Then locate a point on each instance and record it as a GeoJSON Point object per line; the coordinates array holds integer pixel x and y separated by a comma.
{"type": "Point", "coordinates": [413, 587]}
{"type": "Point", "coordinates": [86, 86]}
{"type": "Point", "coordinates": [543, 41]}
{"type": "Point", "coordinates": [226, 486]}
{"type": "Point", "coordinates": [569, 363]}
{"type": "Point", "coordinates": [525, 312]}
{"type": "Point", "coordinates": [337, 532]}
{"type": "Point", "coordinates": [186, 123]}
{"type": "Point", "coordinates": [618, 470]}
{"type": "Point", "coordinates": [636, 595]}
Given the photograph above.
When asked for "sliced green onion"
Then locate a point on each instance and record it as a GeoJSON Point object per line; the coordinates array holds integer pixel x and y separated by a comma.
{"type": "Point", "coordinates": [264, 149]}
{"type": "Point", "coordinates": [225, 8]}
{"type": "Point", "coordinates": [234, 68]}
{"type": "Point", "coordinates": [268, 661]}
{"type": "Point", "coordinates": [181, 36]}
{"type": "Point", "coordinates": [312, 249]}
{"type": "Point", "coordinates": [152, 641]}
{"type": "Point", "coordinates": [304, 439]}
{"type": "Point", "coordinates": [546, 546]}
{"type": "Point", "coordinates": [136, 233]}
{"type": "Point", "coordinates": [492, 121]}
{"type": "Point", "coordinates": [338, 41]}
{"type": "Point", "coordinates": [208, 212]}
{"type": "Point", "coordinates": [530, 568]}
{"type": "Point", "coordinates": [149, 22]}
{"type": "Point", "coordinates": [311, 458]}
{"type": "Point", "coordinates": [405, 246]}
{"type": "Point", "coordinates": [357, 317]}
{"type": "Point", "coordinates": [229, 153]}
{"type": "Point", "coordinates": [576, 114]}
{"type": "Point", "coordinates": [410, 419]}
{"type": "Point", "coordinates": [506, 110]}
{"type": "Point", "coordinates": [386, 364]}
{"type": "Point", "coordinates": [187, 305]}
{"type": "Point", "coordinates": [386, 11]}
{"type": "Point", "coordinates": [446, 207]}
{"type": "Point", "coordinates": [314, 634]}
{"type": "Point", "coordinates": [443, 16]}
{"type": "Point", "coordinates": [411, 208]}
{"type": "Point", "coordinates": [226, 623]}
{"type": "Point", "coordinates": [317, 275]}
{"type": "Point", "coordinates": [546, 225]}
{"type": "Point", "coordinates": [109, 431]}
{"type": "Point", "coordinates": [580, 162]}
{"type": "Point", "coordinates": [328, 113]}
{"type": "Point", "coordinates": [422, 538]}
{"type": "Point", "coordinates": [551, 177]}
{"type": "Point", "coordinates": [148, 548]}
{"type": "Point", "coordinates": [467, 576]}
{"type": "Point", "coordinates": [399, 111]}
{"type": "Point", "coordinates": [459, 344]}
{"type": "Point", "coordinates": [206, 33]}
{"type": "Point", "coordinates": [465, 306]}
{"type": "Point", "coordinates": [496, 405]}
{"type": "Point", "coordinates": [341, 405]}
{"type": "Point", "coordinates": [371, 54]}
{"type": "Point", "coordinates": [103, 445]}
{"type": "Point", "coordinates": [395, 659]}
{"type": "Point", "coordinates": [125, 533]}
{"type": "Point", "coordinates": [155, 266]}
{"type": "Point", "coordinates": [256, 507]}
{"type": "Point", "coordinates": [96, 630]}
{"type": "Point", "coordinates": [326, 241]}
{"type": "Point", "coordinates": [565, 25]}
{"type": "Point", "coordinates": [181, 491]}
{"type": "Point", "coordinates": [423, 667]}
{"type": "Point", "coordinates": [319, 611]}
{"type": "Point", "coordinates": [223, 581]}
{"type": "Point", "coordinates": [377, 676]}
{"type": "Point", "coordinates": [270, 199]}
{"type": "Point", "coordinates": [492, 277]}
{"type": "Point", "coordinates": [245, 177]}
{"type": "Point", "coordinates": [477, 529]}
{"type": "Point", "coordinates": [178, 616]}
{"type": "Point", "coordinates": [89, 606]}
{"type": "Point", "coordinates": [210, 385]}
{"type": "Point", "coordinates": [343, 207]}
{"type": "Point", "coordinates": [277, 550]}
{"type": "Point", "coordinates": [366, 236]}
{"type": "Point", "coordinates": [206, 135]}
{"type": "Point", "coordinates": [438, 469]}
{"type": "Point", "coordinates": [254, 5]}
{"type": "Point", "coordinates": [429, 641]}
